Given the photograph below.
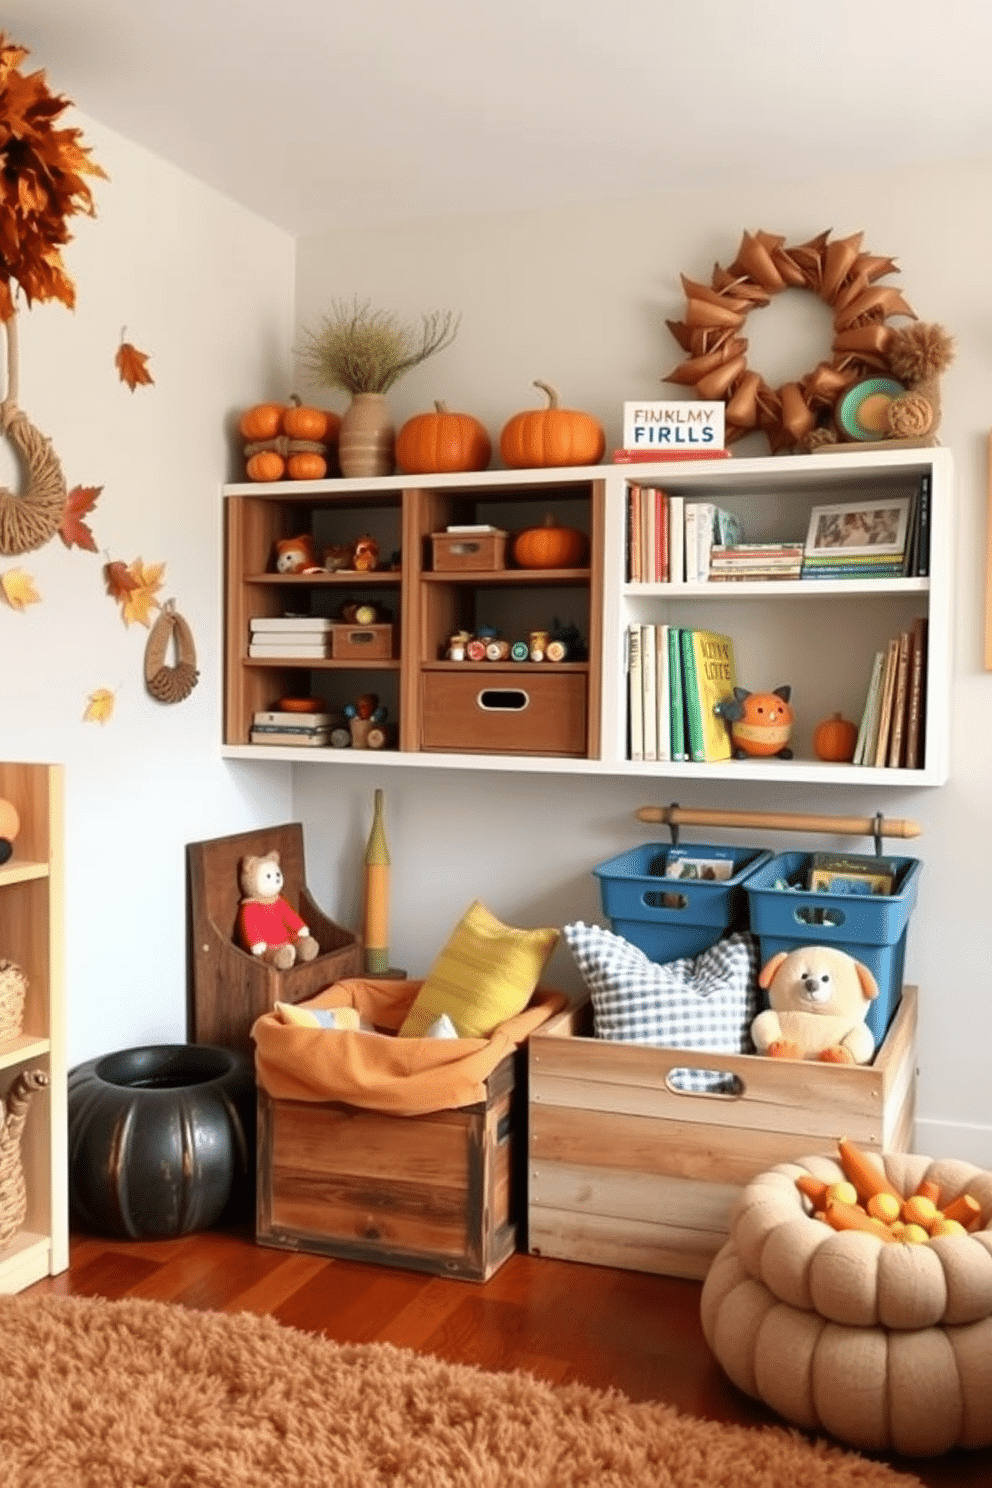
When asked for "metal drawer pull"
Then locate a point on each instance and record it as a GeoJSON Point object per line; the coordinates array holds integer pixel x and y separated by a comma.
{"type": "Point", "coordinates": [503, 699]}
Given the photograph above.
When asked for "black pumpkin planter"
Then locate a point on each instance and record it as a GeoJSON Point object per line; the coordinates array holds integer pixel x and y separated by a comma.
{"type": "Point", "coordinates": [161, 1140]}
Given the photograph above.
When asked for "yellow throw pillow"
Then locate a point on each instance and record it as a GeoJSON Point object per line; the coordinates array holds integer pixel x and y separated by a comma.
{"type": "Point", "coordinates": [485, 974]}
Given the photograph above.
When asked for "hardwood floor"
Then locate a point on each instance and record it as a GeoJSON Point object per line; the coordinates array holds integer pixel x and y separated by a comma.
{"type": "Point", "coordinates": [559, 1320]}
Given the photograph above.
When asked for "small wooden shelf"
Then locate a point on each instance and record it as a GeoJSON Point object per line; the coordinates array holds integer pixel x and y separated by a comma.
{"type": "Point", "coordinates": [31, 935]}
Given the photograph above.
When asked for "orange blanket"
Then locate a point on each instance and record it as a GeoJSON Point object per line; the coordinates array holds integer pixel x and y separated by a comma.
{"type": "Point", "coordinates": [407, 1076]}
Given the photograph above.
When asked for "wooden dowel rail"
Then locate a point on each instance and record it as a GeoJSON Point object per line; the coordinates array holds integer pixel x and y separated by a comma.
{"type": "Point", "coordinates": [782, 821]}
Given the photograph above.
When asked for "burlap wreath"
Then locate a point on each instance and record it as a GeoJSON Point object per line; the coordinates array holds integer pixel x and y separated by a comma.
{"type": "Point", "coordinates": [716, 366]}
{"type": "Point", "coordinates": [170, 684]}
{"type": "Point", "coordinates": [28, 521]}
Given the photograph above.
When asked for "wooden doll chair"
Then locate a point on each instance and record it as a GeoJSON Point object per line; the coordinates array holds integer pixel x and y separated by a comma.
{"type": "Point", "coordinates": [229, 987]}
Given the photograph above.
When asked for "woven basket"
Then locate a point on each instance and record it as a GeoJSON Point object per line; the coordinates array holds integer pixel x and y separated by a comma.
{"type": "Point", "coordinates": [13, 1193]}
{"type": "Point", "coordinates": [13, 987]}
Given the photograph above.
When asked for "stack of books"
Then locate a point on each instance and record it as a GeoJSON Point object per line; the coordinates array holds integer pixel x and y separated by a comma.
{"type": "Point", "coordinates": [755, 561]}
{"type": "Point", "coordinates": [289, 637]}
{"type": "Point", "coordinates": [883, 538]}
{"type": "Point", "coordinates": [892, 723]}
{"type": "Point", "coordinates": [304, 730]}
{"type": "Point", "coordinates": [676, 677]}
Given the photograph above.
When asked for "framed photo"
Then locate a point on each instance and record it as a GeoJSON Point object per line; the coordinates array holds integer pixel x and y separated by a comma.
{"type": "Point", "coordinates": [855, 528]}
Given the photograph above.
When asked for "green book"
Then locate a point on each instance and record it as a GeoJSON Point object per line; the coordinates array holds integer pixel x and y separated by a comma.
{"type": "Point", "coordinates": [708, 678]}
{"type": "Point", "coordinates": [676, 694]}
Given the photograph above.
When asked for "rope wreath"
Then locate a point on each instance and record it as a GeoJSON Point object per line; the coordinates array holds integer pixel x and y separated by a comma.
{"type": "Point", "coordinates": [170, 684]}
{"type": "Point", "coordinates": [716, 366]}
{"type": "Point", "coordinates": [28, 521]}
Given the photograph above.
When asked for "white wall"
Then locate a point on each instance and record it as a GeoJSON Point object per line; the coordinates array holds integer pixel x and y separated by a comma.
{"type": "Point", "coordinates": [206, 290]}
{"type": "Point", "coordinates": [580, 297]}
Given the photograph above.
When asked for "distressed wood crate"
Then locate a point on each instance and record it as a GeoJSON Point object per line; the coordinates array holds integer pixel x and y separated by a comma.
{"type": "Point", "coordinates": [430, 1193]}
{"type": "Point", "coordinates": [626, 1171]}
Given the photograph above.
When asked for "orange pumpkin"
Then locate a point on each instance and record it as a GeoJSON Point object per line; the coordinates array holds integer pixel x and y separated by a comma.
{"type": "Point", "coordinates": [302, 422]}
{"type": "Point", "coordinates": [306, 467]}
{"type": "Point", "coordinates": [551, 436]}
{"type": "Point", "coordinates": [265, 465]}
{"type": "Point", "coordinates": [550, 546]}
{"type": "Point", "coordinates": [835, 739]}
{"type": "Point", "coordinates": [432, 443]}
{"type": "Point", "coordinates": [263, 421]}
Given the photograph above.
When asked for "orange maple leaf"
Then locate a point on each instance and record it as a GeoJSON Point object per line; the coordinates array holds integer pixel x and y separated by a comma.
{"type": "Point", "coordinates": [139, 601]}
{"type": "Point", "coordinates": [119, 580]}
{"type": "Point", "coordinates": [17, 589]}
{"type": "Point", "coordinates": [131, 364]}
{"type": "Point", "coordinates": [99, 706]}
{"type": "Point", "coordinates": [74, 531]}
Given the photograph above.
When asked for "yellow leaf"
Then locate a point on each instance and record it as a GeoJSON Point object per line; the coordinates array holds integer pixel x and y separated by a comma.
{"type": "Point", "coordinates": [99, 706]}
{"type": "Point", "coordinates": [138, 603]}
{"type": "Point", "coordinates": [17, 587]}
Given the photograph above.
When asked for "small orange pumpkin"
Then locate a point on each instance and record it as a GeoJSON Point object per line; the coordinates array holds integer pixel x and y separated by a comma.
{"type": "Point", "coordinates": [835, 739]}
{"type": "Point", "coordinates": [263, 421]}
{"type": "Point", "coordinates": [302, 422]}
{"type": "Point", "coordinates": [551, 436]}
{"type": "Point", "coordinates": [438, 442]}
{"type": "Point", "coordinates": [265, 465]}
{"type": "Point", "coordinates": [550, 546]}
{"type": "Point", "coordinates": [306, 466]}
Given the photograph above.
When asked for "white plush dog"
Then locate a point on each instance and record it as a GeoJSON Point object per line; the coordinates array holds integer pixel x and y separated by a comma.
{"type": "Point", "coordinates": [819, 997]}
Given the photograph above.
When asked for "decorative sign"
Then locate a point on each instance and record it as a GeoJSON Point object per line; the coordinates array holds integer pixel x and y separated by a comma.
{"type": "Point", "coordinates": [681, 426]}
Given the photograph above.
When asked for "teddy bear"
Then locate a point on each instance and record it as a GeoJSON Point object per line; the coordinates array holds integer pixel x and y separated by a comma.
{"type": "Point", "coordinates": [296, 555]}
{"type": "Point", "coordinates": [818, 998]}
{"type": "Point", "coordinates": [268, 926]}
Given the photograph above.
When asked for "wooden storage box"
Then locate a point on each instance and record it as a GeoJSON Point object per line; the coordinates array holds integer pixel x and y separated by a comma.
{"type": "Point", "coordinates": [626, 1171]}
{"type": "Point", "coordinates": [361, 642]}
{"type": "Point", "coordinates": [491, 709]}
{"type": "Point", "coordinates": [468, 552]}
{"type": "Point", "coordinates": [431, 1193]}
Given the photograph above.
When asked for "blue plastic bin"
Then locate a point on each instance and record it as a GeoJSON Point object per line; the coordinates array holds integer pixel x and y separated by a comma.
{"type": "Point", "coordinates": [697, 913]}
{"type": "Point", "coordinates": [871, 929]}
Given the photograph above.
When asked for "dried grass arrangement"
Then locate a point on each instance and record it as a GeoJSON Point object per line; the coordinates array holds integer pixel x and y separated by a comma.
{"type": "Point", "coordinates": [361, 350]}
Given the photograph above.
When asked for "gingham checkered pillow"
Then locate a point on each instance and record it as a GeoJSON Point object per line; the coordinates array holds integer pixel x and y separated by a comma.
{"type": "Point", "coordinates": [702, 1003]}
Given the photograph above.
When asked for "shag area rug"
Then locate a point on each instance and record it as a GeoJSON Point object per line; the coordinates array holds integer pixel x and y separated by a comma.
{"type": "Point", "coordinates": [132, 1394]}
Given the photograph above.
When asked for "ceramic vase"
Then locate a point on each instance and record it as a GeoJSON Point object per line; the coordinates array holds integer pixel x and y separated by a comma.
{"type": "Point", "coordinates": [366, 437]}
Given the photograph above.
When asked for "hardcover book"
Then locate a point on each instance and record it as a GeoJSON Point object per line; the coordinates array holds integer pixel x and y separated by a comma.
{"type": "Point", "coordinates": [709, 677]}
{"type": "Point", "coordinates": [852, 873]}
{"type": "Point", "coordinates": [676, 696]}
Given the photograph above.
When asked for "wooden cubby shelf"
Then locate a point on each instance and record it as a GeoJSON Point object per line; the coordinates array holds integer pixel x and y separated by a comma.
{"type": "Point", "coordinates": [818, 637]}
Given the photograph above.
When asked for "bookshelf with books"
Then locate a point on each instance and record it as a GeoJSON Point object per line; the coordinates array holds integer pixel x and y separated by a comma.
{"type": "Point", "coordinates": [819, 636]}
{"type": "Point", "coordinates": [823, 635]}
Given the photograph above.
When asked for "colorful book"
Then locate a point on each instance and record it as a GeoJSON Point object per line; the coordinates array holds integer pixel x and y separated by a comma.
{"type": "Point", "coordinates": [663, 693]}
{"type": "Point", "coordinates": [709, 677]}
{"type": "Point", "coordinates": [691, 543]}
{"type": "Point", "coordinates": [676, 539]}
{"type": "Point", "coordinates": [885, 706]}
{"type": "Point", "coordinates": [657, 456]}
{"type": "Point", "coordinates": [316, 740]}
{"type": "Point", "coordinates": [916, 707]}
{"type": "Point", "coordinates": [649, 690]}
{"type": "Point", "coordinates": [283, 718]}
{"type": "Point", "coordinates": [676, 696]}
{"type": "Point", "coordinates": [900, 701]}
{"type": "Point", "coordinates": [864, 749]}
{"type": "Point", "coordinates": [924, 500]}
{"type": "Point", "coordinates": [635, 693]}
{"type": "Point", "coordinates": [279, 624]}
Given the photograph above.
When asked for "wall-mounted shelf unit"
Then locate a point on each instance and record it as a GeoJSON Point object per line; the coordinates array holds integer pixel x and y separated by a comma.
{"type": "Point", "coordinates": [819, 637]}
{"type": "Point", "coordinates": [31, 936]}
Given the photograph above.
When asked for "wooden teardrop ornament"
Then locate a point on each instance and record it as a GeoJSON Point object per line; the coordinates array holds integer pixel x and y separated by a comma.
{"type": "Point", "coordinates": [29, 519]}
{"type": "Point", "coordinates": [170, 684]}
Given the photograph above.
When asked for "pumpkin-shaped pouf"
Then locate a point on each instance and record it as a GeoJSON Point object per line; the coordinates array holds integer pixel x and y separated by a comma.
{"type": "Point", "coordinates": [161, 1140]}
{"type": "Point", "coordinates": [881, 1344]}
{"type": "Point", "coordinates": [440, 442]}
{"type": "Point", "coordinates": [551, 436]}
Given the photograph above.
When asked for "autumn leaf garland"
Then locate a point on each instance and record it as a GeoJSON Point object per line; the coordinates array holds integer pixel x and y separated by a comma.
{"type": "Point", "coordinates": [42, 184]}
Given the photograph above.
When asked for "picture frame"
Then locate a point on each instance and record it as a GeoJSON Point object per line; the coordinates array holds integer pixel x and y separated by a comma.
{"type": "Point", "coordinates": [854, 529]}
